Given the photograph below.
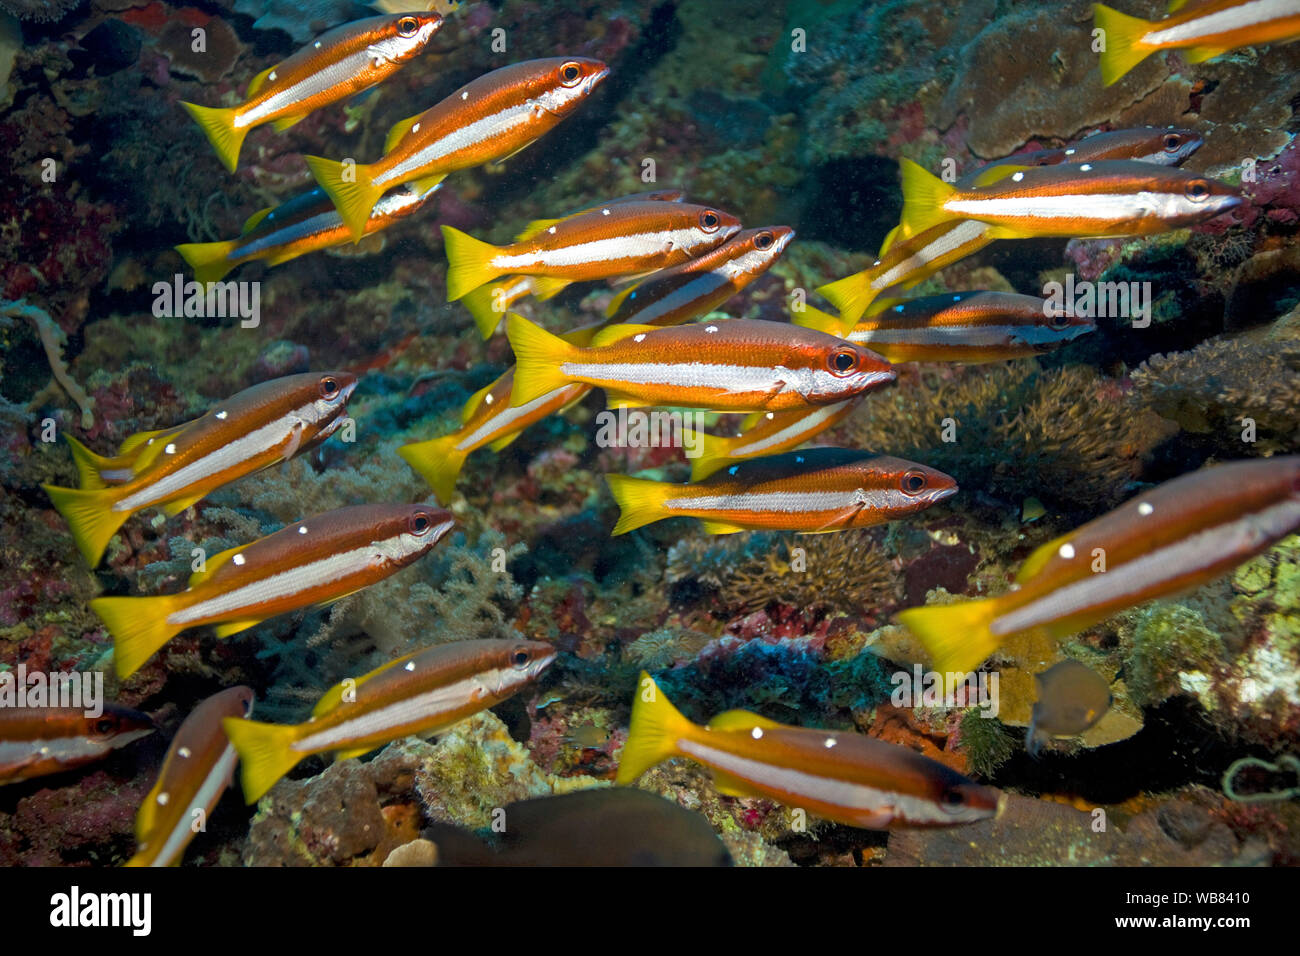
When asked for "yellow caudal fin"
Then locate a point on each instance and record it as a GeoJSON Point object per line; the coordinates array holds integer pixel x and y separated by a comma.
{"type": "Point", "coordinates": [1121, 34]}
{"type": "Point", "coordinates": [640, 501]}
{"type": "Point", "coordinates": [139, 628]}
{"type": "Point", "coordinates": [468, 262]}
{"type": "Point", "coordinates": [712, 452]}
{"type": "Point", "coordinates": [851, 295]}
{"type": "Point", "coordinates": [90, 517]}
{"type": "Point", "coordinates": [482, 304]}
{"type": "Point", "coordinates": [438, 462]}
{"type": "Point", "coordinates": [819, 321]}
{"type": "Point", "coordinates": [89, 465]}
{"type": "Point", "coordinates": [218, 125]}
{"type": "Point", "coordinates": [538, 356]}
{"type": "Point", "coordinates": [265, 753]}
{"type": "Point", "coordinates": [956, 636]}
{"type": "Point", "coordinates": [923, 197]}
{"type": "Point", "coordinates": [350, 188]}
{"type": "Point", "coordinates": [209, 260]}
{"type": "Point", "coordinates": [653, 734]}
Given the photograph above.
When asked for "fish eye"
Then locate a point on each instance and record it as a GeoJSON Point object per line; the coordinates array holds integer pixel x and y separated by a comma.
{"type": "Point", "coordinates": [842, 361]}
{"type": "Point", "coordinates": [1172, 142]}
{"type": "Point", "coordinates": [1198, 190]}
{"type": "Point", "coordinates": [519, 657]}
{"type": "Point", "coordinates": [710, 221]}
{"type": "Point", "coordinates": [419, 523]}
{"type": "Point", "coordinates": [763, 240]}
{"type": "Point", "coordinates": [913, 482]}
{"type": "Point", "coordinates": [329, 388]}
{"type": "Point", "coordinates": [570, 74]}
{"type": "Point", "coordinates": [407, 27]}
{"type": "Point", "coordinates": [104, 726]}
{"type": "Point", "coordinates": [1059, 321]}
{"type": "Point", "coordinates": [952, 799]}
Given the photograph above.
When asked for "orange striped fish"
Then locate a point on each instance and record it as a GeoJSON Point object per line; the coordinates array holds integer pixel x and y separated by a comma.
{"type": "Point", "coordinates": [35, 741]}
{"type": "Point", "coordinates": [965, 327]}
{"type": "Point", "coordinates": [742, 365]}
{"type": "Point", "coordinates": [337, 64]}
{"type": "Point", "coordinates": [420, 693]}
{"type": "Point", "coordinates": [1206, 30]}
{"type": "Point", "coordinates": [767, 434]}
{"type": "Point", "coordinates": [199, 766]}
{"type": "Point", "coordinates": [488, 119]}
{"type": "Point", "coordinates": [843, 776]}
{"type": "Point", "coordinates": [1181, 535]}
{"type": "Point", "coordinates": [814, 490]}
{"type": "Point", "coordinates": [316, 561]}
{"type": "Point", "coordinates": [260, 426]}
{"type": "Point", "coordinates": [617, 239]}
{"type": "Point", "coordinates": [306, 223]}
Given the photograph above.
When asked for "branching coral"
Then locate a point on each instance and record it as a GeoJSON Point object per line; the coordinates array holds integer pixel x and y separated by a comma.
{"type": "Point", "coordinates": [53, 339]}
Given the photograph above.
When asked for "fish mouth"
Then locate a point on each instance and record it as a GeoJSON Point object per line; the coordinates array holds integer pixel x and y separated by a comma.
{"type": "Point", "coordinates": [1001, 806]}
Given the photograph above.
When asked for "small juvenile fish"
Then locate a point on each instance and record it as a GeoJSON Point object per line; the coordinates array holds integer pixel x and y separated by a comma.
{"type": "Point", "coordinates": [814, 490]}
{"type": "Point", "coordinates": [316, 561]}
{"type": "Point", "coordinates": [35, 741]}
{"type": "Point", "coordinates": [260, 426]}
{"type": "Point", "coordinates": [419, 693]}
{"type": "Point", "coordinates": [615, 239]}
{"type": "Point", "coordinates": [1075, 200]}
{"type": "Point", "coordinates": [700, 285]}
{"type": "Point", "coordinates": [1205, 31]}
{"type": "Point", "coordinates": [966, 327]}
{"type": "Point", "coordinates": [338, 64]}
{"type": "Point", "coordinates": [768, 434]}
{"type": "Point", "coordinates": [488, 119]}
{"type": "Point", "coordinates": [1071, 698]}
{"type": "Point", "coordinates": [843, 776]}
{"type": "Point", "coordinates": [745, 365]}
{"type": "Point", "coordinates": [306, 223]}
{"type": "Point", "coordinates": [489, 419]}
{"type": "Point", "coordinates": [1174, 538]}
{"type": "Point", "coordinates": [199, 766]}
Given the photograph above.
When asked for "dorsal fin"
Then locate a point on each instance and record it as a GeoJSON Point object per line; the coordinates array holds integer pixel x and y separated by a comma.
{"type": "Point", "coordinates": [212, 564]}
{"type": "Point", "coordinates": [995, 174]}
{"type": "Point", "coordinates": [616, 303]}
{"type": "Point", "coordinates": [740, 720]}
{"type": "Point", "coordinates": [255, 220]}
{"type": "Point", "coordinates": [400, 129]}
{"type": "Point", "coordinates": [474, 401]}
{"type": "Point", "coordinates": [334, 696]}
{"type": "Point", "coordinates": [1036, 561]}
{"type": "Point", "coordinates": [256, 83]}
{"type": "Point", "coordinates": [535, 227]}
{"type": "Point", "coordinates": [616, 333]}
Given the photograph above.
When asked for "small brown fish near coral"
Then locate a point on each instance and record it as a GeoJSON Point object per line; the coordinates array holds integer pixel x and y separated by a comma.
{"type": "Point", "coordinates": [337, 64]}
{"type": "Point", "coordinates": [316, 561]}
{"type": "Point", "coordinates": [1071, 698]}
{"type": "Point", "coordinates": [1173, 538]}
{"type": "Point", "coordinates": [35, 741]}
{"type": "Point", "coordinates": [843, 776]}
{"type": "Point", "coordinates": [198, 768]}
{"type": "Point", "coordinates": [419, 693]}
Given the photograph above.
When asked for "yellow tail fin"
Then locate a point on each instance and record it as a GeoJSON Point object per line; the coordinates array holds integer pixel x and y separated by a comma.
{"type": "Point", "coordinates": [90, 517]}
{"type": "Point", "coordinates": [349, 186]}
{"type": "Point", "coordinates": [482, 303]}
{"type": "Point", "coordinates": [713, 452]}
{"type": "Point", "coordinates": [209, 260]}
{"type": "Point", "coordinates": [851, 295]}
{"type": "Point", "coordinates": [88, 465]}
{"type": "Point", "coordinates": [655, 729]}
{"type": "Point", "coordinates": [538, 356]}
{"type": "Point", "coordinates": [265, 753]}
{"type": "Point", "coordinates": [139, 628]}
{"type": "Point", "coordinates": [820, 321]}
{"type": "Point", "coordinates": [438, 461]}
{"type": "Point", "coordinates": [956, 636]}
{"type": "Point", "coordinates": [923, 197]}
{"type": "Point", "coordinates": [218, 125]}
{"type": "Point", "coordinates": [640, 500]}
{"type": "Point", "coordinates": [468, 262]}
{"type": "Point", "coordinates": [1120, 34]}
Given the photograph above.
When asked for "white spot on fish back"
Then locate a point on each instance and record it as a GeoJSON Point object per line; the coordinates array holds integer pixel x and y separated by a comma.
{"type": "Point", "coordinates": [464, 95]}
{"type": "Point", "coordinates": [221, 415]}
{"type": "Point", "coordinates": [183, 752]}
{"type": "Point", "coordinates": [238, 559]}
{"type": "Point", "coordinates": [1016, 177]}
{"type": "Point", "coordinates": [757, 733]}
{"type": "Point", "coordinates": [410, 665]}
{"type": "Point", "coordinates": [488, 399]}
{"type": "Point", "coordinates": [830, 742]}
{"type": "Point", "coordinates": [1086, 168]}
{"type": "Point", "coordinates": [302, 529]}
{"type": "Point", "coordinates": [711, 329]}
{"type": "Point", "coordinates": [639, 337]}
{"type": "Point", "coordinates": [163, 798]}
{"type": "Point", "coordinates": [1145, 508]}
{"type": "Point", "coordinates": [1066, 551]}
{"type": "Point", "coordinates": [1070, 151]}
{"type": "Point", "coordinates": [170, 449]}
{"type": "Point", "coordinates": [271, 75]}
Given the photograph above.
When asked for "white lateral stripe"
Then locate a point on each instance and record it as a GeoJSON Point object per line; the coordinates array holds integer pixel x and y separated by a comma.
{"type": "Point", "coordinates": [613, 249]}
{"type": "Point", "coordinates": [205, 798]}
{"type": "Point", "coordinates": [459, 139]}
{"type": "Point", "coordinates": [779, 502]}
{"type": "Point", "coordinates": [59, 748]}
{"type": "Point", "coordinates": [305, 89]}
{"type": "Point", "coordinates": [803, 426]}
{"type": "Point", "coordinates": [1223, 21]}
{"type": "Point", "coordinates": [502, 421]}
{"type": "Point", "coordinates": [950, 241]}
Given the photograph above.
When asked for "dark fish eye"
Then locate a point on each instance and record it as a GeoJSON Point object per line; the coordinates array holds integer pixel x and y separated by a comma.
{"type": "Point", "coordinates": [913, 483]}
{"type": "Point", "coordinates": [329, 388]}
{"type": "Point", "coordinates": [520, 657]}
{"type": "Point", "coordinates": [104, 726]}
{"type": "Point", "coordinates": [763, 240]}
{"type": "Point", "coordinates": [570, 74]}
{"type": "Point", "coordinates": [1060, 320]}
{"type": "Point", "coordinates": [952, 799]}
{"type": "Point", "coordinates": [407, 26]}
{"type": "Point", "coordinates": [1172, 142]}
{"type": "Point", "coordinates": [1198, 190]}
{"type": "Point", "coordinates": [710, 220]}
{"type": "Point", "coordinates": [419, 523]}
{"type": "Point", "coordinates": [843, 361]}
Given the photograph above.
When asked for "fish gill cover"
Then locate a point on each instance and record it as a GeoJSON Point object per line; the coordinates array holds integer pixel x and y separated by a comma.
{"type": "Point", "coordinates": [341, 345]}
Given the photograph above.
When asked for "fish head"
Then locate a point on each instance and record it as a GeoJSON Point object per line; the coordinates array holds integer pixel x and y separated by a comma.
{"type": "Point", "coordinates": [522, 662]}
{"type": "Point", "coordinates": [405, 533]}
{"type": "Point", "coordinates": [560, 83]}
{"type": "Point", "coordinates": [401, 37]}
{"type": "Point", "coordinates": [333, 389]}
{"type": "Point", "coordinates": [1189, 199]}
{"type": "Point", "coordinates": [118, 726]}
{"type": "Point", "coordinates": [1068, 327]}
{"type": "Point", "coordinates": [899, 487]}
{"type": "Point", "coordinates": [753, 251]}
{"type": "Point", "coordinates": [1175, 145]}
{"type": "Point", "coordinates": [831, 369]}
{"type": "Point", "coordinates": [965, 801]}
{"type": "Point", "coordinates": [240, 701]}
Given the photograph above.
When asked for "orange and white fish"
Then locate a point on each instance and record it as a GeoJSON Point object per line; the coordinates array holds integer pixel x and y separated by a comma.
{"type": "Point", "coordinates": [1204, 31]}
{"type": "Point", "coordinates": [769, 433]}
{"type": "Point", "coordinates": [838, 775]}
{"type": "Point", "coordinates": [814, 490]}
{"type": "Point", "coordinates": [306, 223]}
{"type": "Point", "coordinates": [199, 766]}
{"type": "Point", "coordinates": [486, 120]}
{"type": "Point", "coordinates": [260, 426]}
{"type": "Point", "coordinates": [420, 693]}
{"type": "Point", "coordinates": [1185, 533]}
{"type": "Point", "coordinates": [337, 64]}
{"type": "Point", "coordinates": [740, 365]}
{"type": "Point", "coordinates": [316, 561]}
{"type": "Point", "coordinates": [35, 741]}
{"type": "Point", "coordinates": [618, 239]}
